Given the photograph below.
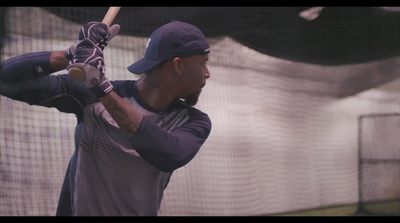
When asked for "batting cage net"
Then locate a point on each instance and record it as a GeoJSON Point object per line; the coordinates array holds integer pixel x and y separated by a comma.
{"type": "Point", "coordinates": [379, 164]}
{"type": "Point", "coordinates": [285, 133]}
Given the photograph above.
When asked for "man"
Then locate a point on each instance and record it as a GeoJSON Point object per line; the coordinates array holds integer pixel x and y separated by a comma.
{"type": "Point", "coordinates": [131, 135]}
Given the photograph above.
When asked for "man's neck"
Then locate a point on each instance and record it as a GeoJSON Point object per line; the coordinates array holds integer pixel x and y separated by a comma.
{"type": "Point", "coordinates": [158, 95]}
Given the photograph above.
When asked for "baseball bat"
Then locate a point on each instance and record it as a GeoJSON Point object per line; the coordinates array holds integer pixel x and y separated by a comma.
{"type": "Point", "coordinates": [77, 73]}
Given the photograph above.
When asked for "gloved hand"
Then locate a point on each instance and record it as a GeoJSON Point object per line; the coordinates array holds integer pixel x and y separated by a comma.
{"type": "Point", "coordinates": [97, 33]}
{"type": "Point", "coordinates": [91, 60]}
{"type": "Point", "coordinates": [89, 56]}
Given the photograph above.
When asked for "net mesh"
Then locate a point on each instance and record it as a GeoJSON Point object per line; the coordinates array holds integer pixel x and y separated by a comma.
{"type": "Point", "coordinates": [380, 164]}
{"type": "Point", "coordinates": [281, 140]}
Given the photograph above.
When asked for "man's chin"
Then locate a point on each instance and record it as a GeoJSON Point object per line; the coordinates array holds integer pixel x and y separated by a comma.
{"type": "Point", "coordinates": [192, 99]}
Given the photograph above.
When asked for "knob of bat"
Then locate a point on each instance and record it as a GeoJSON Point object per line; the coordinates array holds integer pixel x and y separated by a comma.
{"type": "Point", "coordinates": [77, 74]}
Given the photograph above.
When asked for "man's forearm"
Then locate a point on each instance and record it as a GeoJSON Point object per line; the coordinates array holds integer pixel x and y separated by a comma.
{"type": "Point", "coordinates": [127, 118]}
{"type": "Point", "coordinates": [32, 65]}
{"type": "Point", "coordinates": [28, 66]}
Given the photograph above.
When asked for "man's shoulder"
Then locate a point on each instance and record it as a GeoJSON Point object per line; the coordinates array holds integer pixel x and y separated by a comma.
{"type": "Point", "coordinates": [124, 88]}
{"type": "Point", "coordinates": [180, 104]}
{"type": "Point", "coordinates": [198, 116]}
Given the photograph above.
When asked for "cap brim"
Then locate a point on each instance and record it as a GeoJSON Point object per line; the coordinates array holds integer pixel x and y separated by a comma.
{"type": "Point", "coordinates": [143, 65]}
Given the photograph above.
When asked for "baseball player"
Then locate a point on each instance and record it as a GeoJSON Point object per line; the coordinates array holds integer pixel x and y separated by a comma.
{"type": "Point", "coordinates": [130, 135]}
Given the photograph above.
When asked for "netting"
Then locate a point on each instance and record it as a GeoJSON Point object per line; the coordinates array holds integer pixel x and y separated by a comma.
{"type": "Point", "coordinates": [380, 164]}
{"type": "Point", "coordinates": [281, 139]}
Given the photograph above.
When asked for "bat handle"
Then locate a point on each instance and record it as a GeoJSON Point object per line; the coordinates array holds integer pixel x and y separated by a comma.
{"type": "Point", "coordinates": [110, 15]}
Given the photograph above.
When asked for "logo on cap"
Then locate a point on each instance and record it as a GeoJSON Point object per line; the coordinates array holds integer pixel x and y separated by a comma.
{"type": "Point", "coordinates": [148, 42]}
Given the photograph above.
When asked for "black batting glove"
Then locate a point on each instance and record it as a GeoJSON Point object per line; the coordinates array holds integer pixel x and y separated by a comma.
{"type": "Point", "coordinates": [99, 34]}
{"type": "Point", "coordinates": [91, 60]}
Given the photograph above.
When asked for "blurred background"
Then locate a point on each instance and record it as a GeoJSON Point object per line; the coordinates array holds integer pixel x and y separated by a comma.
{"type": "Point", "coordinates": [304, 102]}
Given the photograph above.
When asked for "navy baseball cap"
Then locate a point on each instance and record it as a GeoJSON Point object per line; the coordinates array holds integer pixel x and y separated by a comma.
{"type": "Point", "coordinates": [174, 39]}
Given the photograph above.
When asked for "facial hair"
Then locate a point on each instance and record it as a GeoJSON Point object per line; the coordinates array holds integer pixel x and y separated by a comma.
{"type": "Point", "coordinates": [192, 99]}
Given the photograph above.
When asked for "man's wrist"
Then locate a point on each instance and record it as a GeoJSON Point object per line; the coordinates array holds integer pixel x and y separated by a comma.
{"type": "Point", "coordinates": [58, 61]}
{"type": "Point", "coordinates": [104, 88]}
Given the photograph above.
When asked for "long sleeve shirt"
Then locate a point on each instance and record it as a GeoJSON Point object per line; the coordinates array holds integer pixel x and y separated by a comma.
{"type": "Point", "coordinates": [109, 173]}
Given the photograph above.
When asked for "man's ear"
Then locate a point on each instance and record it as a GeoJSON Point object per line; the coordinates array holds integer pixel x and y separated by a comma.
{"type": "Point", "coordinates": [177, 64]}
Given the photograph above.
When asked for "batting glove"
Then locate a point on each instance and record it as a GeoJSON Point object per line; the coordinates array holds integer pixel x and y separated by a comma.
{"type": "Point", "coordinates": [90, 59]}
{"type": "Point", "coordinates": [99, 34]}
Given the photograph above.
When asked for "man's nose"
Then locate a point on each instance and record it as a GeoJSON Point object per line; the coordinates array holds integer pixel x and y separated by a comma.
{"type": "Point", "coordinates": [207, 73]}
